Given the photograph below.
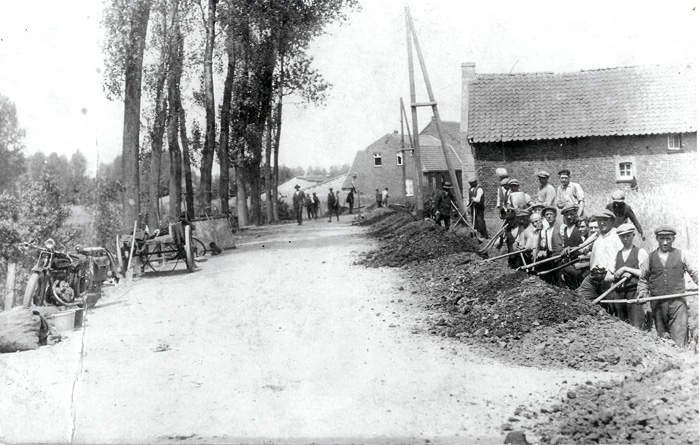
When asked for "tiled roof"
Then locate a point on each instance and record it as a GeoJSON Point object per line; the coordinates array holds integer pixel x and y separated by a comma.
{"type": "Point", "coordinates": [606, 102]}
{"type": "Point", "coordinates": [432, 158]}
{"type": "Point", "coordinates": [450, 130]}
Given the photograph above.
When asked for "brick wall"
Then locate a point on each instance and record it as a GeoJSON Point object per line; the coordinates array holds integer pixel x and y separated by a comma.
{"type": "Point", "coordinates": [593, 162]}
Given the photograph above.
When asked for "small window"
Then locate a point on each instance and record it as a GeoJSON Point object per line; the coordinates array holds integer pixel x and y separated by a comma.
{"type": "Point", "coordinates": [377, 159]}
{"type": "Point", "coordinates": [399, 158]}
{"type": "Point", "coordinates": [409, 187]}
{"type": "Point", "coordinates": [625, 170]}
{"type": "Point", "coordinates": [674, 141]}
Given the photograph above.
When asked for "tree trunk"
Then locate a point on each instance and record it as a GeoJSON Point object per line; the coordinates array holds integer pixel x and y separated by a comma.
{"type": "Point", "coordinates": [241, 198]}
{"type": "Point", "coordinates": [132, 115]}
{"type": "Point", "coordinates": [268, 171]}
{"type": "Point", "coordinates": [209, 139]}
{"type": "Point", "coordinates": [278, 133]}
{"type": "Point", "coordinates": [161, 114]}
{"type": "Point", "coordinates": [175, 189]}
{"type": "Point", "coordinates": [187, 173]}
{"type": "Point", "coordinates": [10, 286]}
{"type": "Point", "coordinates": [225, 119]}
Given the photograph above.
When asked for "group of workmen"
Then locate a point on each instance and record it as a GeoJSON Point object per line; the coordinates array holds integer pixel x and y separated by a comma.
{"type": "Point", "coordinates": [596, 255]}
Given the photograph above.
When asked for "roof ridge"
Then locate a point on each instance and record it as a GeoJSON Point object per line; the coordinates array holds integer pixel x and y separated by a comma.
{"type": "Point", "coordinates": [686, 66]}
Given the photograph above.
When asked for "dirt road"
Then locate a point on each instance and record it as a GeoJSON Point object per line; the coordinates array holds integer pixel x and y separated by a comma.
{"type": "Point", "coordinates": [280, 340]}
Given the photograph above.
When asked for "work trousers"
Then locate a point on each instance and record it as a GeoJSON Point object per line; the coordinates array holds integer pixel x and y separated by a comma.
{"type": "Point", "coordinates": [479, 222]}
{"type": "Point", "coordinates": [671, 316]}
{"type": "Point", "coordinates": [310, 211]}
{"type": "Point", "coordinates": [572, 277]}
{"type": "Point", "coordinates": [591, 289]}
{"type": "Point", "coordinates": [630, 313]}
{"type": "Point", "coordinates": [299, 211]}
{"type": "Point", "coordinates": [443, 218]}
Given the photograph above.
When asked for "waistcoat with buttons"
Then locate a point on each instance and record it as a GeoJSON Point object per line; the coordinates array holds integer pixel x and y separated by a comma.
{"type": "Point", "coordinates": [666, 280]}
{"type": "Point", "coordinates": [633, 262]}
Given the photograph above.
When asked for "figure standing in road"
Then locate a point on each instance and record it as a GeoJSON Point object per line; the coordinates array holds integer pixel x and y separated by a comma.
{"type": "Point", "coordinates": [664, 274]}
{"type": "Point", "coordinates": [350, 199]}
{"type": "Point", "coordinates": [385, 197]}
{"type": "Point", "coordinates": [299, 200]}
{"type": "Point", "coordinates": [378, 197]}
{"type": "Point", "coordinates": [317, 204]}
{"type": "Point", "coordinates": [331, 204]}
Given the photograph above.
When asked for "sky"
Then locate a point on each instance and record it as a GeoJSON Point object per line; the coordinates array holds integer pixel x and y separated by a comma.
{"type": "Point", "coordinates": [51, 64]}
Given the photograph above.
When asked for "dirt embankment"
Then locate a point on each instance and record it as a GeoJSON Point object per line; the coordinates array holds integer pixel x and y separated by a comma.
{"type": "Point", "coordinates": [521, 319]}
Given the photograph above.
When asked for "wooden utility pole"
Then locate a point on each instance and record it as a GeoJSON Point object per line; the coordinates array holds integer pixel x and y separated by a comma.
{"type": "Point", "coordinates": [403, 153]}
{"type": "Point", "coordinates": [414, 118]}
{"type": "Point", "coordinates": [410, 30]}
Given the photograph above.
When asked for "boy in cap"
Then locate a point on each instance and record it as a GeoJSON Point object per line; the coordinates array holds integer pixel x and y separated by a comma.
{"type": "Point", "coordinates": [570, 192]}
{"type": "Point", "coordinates": [664, 274]}
{"type": "Point", "coordinates": [476, 203]}
{"type": "Point", "coordinates": [443, 204]}
{"type": "Point", "coordinates": [627, 264]}
{"type": "Point", "coordinates": [517, 221]}
{"type": "Point", "coordinates": [571, 236]}
{"type": "Point", "coordinates": [299, 200]}
{"type": "Point", "coordinates": [603, 255]}
{"type": "Point", "coordinates": [547, 194]}
{"type": "Point", "coordinates": [623, 212]}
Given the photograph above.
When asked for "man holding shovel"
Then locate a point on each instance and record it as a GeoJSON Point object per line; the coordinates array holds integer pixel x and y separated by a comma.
{"type": "Point", "coordinates": [627, 265]}
{"type": "Point", "coordinates": [664, 274]}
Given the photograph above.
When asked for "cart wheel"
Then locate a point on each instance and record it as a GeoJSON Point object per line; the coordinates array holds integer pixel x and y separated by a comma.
{"type": "Point", "coordinates": [189, 254]}
{"type": "Point", "coordinates": [120, 260]}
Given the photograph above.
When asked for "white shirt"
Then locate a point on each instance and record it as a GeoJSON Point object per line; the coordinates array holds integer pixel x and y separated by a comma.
{"type": "Point", "coordinates": [604, 252]}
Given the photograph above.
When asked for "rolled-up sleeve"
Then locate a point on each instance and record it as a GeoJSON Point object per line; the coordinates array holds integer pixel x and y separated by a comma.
{"type": "Point", "coordinates": [690, 268]}
{"type": "Point", "coordinates": [643, 283]}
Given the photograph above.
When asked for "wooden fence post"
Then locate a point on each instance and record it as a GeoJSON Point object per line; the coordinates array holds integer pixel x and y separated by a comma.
{"type": "Point", "coordinates": [10, 286]}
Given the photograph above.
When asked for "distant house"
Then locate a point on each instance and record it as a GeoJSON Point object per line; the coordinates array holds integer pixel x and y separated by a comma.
{"type": "Point", "coordinates": [610, 127]}
{"type": "Point", "coordinates": [388, 163]}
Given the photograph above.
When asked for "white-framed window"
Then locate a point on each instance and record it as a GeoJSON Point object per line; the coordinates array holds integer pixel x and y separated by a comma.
{"type": "Point", "coordinates": [674, 141]}
{"type": "Point", "coordinates": [625, 169]}
{"type": "Point", "coordinates": [399, 158]}
{"type": "Point", "coordinates": [377, 159]}
{"type": "Point", "coordinates": [409, 187]}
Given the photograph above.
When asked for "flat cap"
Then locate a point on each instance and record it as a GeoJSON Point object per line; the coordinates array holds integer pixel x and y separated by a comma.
{"type": "Point", "coordinates": [548, 208]}
{"type": "Point", "coordinates": [513, 182]}
{"type": "Point", "coordinates": [565, 171]}
{"type": "Point", "coordinates": [501, 172]}
{"type": "Point", "coordinates": [505, 181]}
{"type": "Point", "coordinates": [624, 229]}
{"type": "Point", "coordinates": [537, 205]}
{"type": "Point", "coordinates": [522, 212]}
{"type": "Point", "coordinates": [618, 195]}
{"type": "Point", "coordinates": [664, 230]}
{"type": "Point", "coordinates": [447, 185]}
{"type": "Point", "coordinates": [471, 179]}
{"type": "Point", "coordinates": [543, 174]}
{"type": "Point", "coordinates": [569, 207]}
{"type": "Point", "coordinates": [605, 214]}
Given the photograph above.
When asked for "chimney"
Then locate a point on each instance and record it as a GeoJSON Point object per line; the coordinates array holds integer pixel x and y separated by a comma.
{"type": "Point", "coordinates": [468, 74]}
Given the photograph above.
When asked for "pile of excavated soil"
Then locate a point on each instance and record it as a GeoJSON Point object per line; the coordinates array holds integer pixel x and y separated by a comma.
{"type": "Point", "coordinates": [405, 240]}
{"type": "Point", "coordinates": [657, 406]}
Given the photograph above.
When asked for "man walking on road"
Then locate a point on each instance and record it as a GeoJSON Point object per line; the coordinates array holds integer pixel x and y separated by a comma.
{"type": "Point", "coordinates": [299, 201]}
{"type": "Point", "coordinates": [350, 199]}
{"type": "Point", "coordinates": [331, 204]}
{"type": "Point", "coordinates": [664, 274]}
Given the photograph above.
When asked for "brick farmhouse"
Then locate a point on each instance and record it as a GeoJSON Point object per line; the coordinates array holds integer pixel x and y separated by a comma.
{"type": "Point", "coordinates": [610, 127]}
{"type": "Point", "coordinates": [388, 163]}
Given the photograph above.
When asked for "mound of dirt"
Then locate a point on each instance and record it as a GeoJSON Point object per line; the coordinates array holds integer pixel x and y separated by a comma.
{"type": "Point", "coordinates": [657, 406]}
{"type": "Point", "coordinates": [405, 240]}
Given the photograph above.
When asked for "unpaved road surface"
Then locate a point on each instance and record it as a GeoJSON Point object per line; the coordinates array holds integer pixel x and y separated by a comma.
{"type": "Point", "coordinates": [280, 340]}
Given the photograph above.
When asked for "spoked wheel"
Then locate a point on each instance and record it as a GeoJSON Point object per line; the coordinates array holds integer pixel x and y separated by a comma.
{"type": "Point", "coordinates": [199, 249]}
{"type": "Point", "coordinates": [160, 256]}
{"type": "Point", "coordinates": [33, 292]}
{"type": "Point", "coordinates": [189, 249]}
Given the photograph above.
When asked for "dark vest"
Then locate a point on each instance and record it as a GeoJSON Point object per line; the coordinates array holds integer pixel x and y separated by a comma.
{"type": "Point", "coordinates": [666, 280]}
{"type": "Point", "coordinates": [573, 240]}
{"type": "Point", "coordinates": [633, 262]}
{"type": "Point", "coordinates": [472, 195]}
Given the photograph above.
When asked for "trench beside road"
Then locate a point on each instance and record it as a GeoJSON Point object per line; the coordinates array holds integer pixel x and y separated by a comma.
{"type": "Point", "coordinates": [280, 340]}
